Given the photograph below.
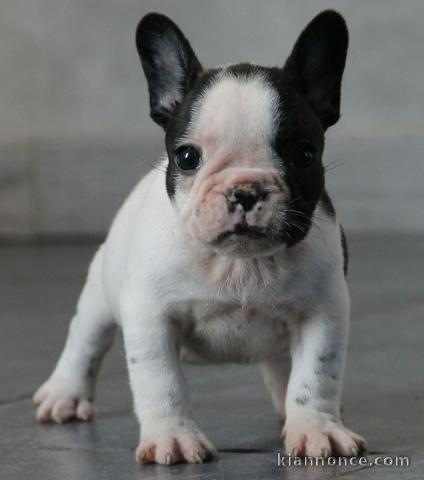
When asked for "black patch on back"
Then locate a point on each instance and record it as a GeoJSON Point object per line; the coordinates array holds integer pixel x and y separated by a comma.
{"type": "Point", "coordinates": [345, 250]}
{"type": "Point", "coordinates": [327, 204]}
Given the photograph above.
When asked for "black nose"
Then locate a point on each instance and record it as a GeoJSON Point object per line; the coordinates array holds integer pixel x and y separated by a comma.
{"type": "Point", "coordinates": [245, 198]}
{"type": "Point", "coordinates": [246, 195]}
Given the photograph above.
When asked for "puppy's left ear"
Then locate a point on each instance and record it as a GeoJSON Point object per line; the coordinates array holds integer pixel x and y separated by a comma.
{"type": "Point", "coordinates": [317, 63]}
{"type": "Point", "coordinates": [169, 63]}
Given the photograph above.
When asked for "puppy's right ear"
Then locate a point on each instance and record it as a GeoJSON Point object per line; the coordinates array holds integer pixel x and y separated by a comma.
{"type": "Point", "coordinates": [169, 63]}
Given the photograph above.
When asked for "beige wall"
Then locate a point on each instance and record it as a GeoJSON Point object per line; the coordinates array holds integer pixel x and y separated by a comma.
{"type": "Point", "coordinates": [72, 94]}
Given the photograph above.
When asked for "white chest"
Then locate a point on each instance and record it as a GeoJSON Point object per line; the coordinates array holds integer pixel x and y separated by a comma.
{"type": "Point", "coordinates": [222, 332]}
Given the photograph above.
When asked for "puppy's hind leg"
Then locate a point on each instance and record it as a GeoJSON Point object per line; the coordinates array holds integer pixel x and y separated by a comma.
{"type": "Point", "coordinates": [276, 373]}
{"type": "Point", "coordinates": [69, 392]}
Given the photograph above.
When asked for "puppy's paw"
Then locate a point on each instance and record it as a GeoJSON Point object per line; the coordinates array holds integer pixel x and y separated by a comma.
{"type": "Point", "coordinates": [62, 401]}
{"type": "Point", "coordinates": [321, 436]}
{"type": "Point", "coordinates": [169, 440]}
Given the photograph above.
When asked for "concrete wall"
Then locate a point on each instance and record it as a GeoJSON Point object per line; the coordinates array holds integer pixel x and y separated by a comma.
{"type": "Point", "coordinates": [74, 127]}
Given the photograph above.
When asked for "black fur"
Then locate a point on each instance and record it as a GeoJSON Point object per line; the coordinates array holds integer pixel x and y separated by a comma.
{"type": "Point", "coordinates": [308, 86]}
{"type": "Point", "coordinates": [169, 63]}
{"type": "Point", "coordinates": [345, 250]}
{"type": "Point", "coordinates": [303, 400]}
{"type": "Point", "coordinates": [317, 64]}
{"type": "Point", "coordinates": [327, 204]}
{"type": "Point", "coordinates": [327, 358]}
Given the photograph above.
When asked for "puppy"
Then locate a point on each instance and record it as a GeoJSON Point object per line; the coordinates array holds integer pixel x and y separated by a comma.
{"type": "Point", "coordinates": [234, 255]}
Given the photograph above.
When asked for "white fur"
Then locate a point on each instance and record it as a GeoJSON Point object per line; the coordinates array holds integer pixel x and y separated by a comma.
{"type": "Point", "coordinates": [239, 111]}
{"type": "Point", "coordinates": [167, 291]}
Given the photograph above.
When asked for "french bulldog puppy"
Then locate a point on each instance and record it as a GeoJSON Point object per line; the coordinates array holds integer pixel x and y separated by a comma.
{"type": "Point", "coordinates": [229, 251]}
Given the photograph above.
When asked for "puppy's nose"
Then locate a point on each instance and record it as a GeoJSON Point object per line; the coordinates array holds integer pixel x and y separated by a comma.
{"type": "Point", "coordinates": [246, 195]}
{"type": "Point", "coordinates": [246, 199]}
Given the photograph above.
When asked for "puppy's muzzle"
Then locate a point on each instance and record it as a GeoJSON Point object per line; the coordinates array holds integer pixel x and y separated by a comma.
{"type": "Point", "coordinates": [234, 203]}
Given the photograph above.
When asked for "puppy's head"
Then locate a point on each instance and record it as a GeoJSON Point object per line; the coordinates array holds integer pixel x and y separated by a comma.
{"type": "Point", "coordinates": [245, 142]}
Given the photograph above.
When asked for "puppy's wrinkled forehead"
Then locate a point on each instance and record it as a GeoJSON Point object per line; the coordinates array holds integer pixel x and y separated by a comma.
{"type": "Point", "coordinates": [234, 112]}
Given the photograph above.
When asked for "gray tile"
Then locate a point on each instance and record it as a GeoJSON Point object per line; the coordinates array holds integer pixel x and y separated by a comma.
{"type": "Point", "coordinates": [384, 390]}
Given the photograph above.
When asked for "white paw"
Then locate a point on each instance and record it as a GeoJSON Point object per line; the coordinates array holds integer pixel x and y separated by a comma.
{"type": "Point", "coordinates": [321, 436]}
{"type": "Point", "coordinates": [62, 401]}
{"type": "Point", "coordinates": [169, 440]}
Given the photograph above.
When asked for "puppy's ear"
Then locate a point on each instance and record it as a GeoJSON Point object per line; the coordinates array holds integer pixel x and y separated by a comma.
{"type": "Point", "coordinates": [169, 63]}
{"type": "Point", "coordinates": [317, 63]}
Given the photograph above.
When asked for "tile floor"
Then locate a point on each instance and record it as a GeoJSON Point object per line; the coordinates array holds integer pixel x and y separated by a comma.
{"type": "Point", "coordinates": [384, 387]}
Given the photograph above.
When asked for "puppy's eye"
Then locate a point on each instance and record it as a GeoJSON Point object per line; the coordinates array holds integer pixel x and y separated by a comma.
{"type": "Point", "coordinates": [303, 156]}
{"type": "Point", "coordinates": [188, 158]}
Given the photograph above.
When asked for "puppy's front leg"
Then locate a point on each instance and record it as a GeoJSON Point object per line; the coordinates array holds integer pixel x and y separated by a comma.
{"type": "Point", "coordinates": [68, 393]}
{"type": "Point", "coordinates": [313, 426]}
{"type": "Point", "coordinates": [161, 396]}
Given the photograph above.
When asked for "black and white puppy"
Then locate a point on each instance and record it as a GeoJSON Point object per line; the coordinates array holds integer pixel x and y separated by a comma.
{"type": "Point", "coordinates": [236, 256]}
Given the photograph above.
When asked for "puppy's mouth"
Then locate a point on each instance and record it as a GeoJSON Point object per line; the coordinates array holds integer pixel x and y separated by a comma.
{"type": "Point", "coordinates": [242, 230]}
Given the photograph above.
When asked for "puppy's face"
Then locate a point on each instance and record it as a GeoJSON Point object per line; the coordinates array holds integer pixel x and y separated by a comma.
{"type": "Point", "coordinates": [244, 152]}
{"type": "Point", "coordinates": [245, 142]}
